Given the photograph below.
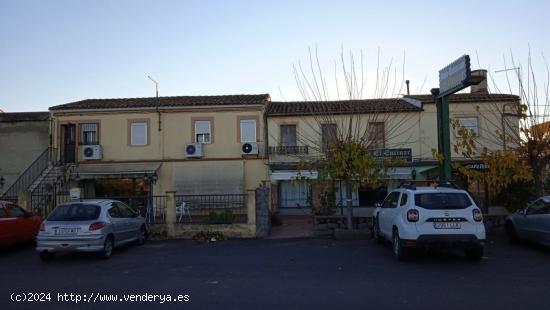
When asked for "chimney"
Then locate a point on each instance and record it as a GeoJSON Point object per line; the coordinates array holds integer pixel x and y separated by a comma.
{"type": "Point", "coordinates": [480, 88]}
{"type": "Point", "coordinates": [408, 92]}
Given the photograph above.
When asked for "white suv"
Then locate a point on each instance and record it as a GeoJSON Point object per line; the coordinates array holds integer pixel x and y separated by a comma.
{"type": "Point", "coordinates": [424, 217]}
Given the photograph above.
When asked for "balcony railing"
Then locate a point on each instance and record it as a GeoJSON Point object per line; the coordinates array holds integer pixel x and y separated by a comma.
{"type": "Point", "coordinates": [286, 150]}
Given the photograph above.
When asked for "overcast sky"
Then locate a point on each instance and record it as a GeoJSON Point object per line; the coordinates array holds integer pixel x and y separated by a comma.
{"type": "Point", "coordinates": [55, 52]}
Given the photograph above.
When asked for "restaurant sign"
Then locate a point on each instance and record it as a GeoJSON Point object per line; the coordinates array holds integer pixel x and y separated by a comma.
{"type": "Point", "coordinates": [392, 154]}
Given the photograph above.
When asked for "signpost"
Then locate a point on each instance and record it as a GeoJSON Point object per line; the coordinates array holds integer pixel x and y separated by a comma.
{"type": "Point", "coordinates": [453, 78]}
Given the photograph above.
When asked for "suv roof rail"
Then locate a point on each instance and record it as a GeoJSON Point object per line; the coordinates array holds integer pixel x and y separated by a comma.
{"type": "Point", "coordinates": [448, 184]}
{"type": "Point", "coordinates": [407, 185]}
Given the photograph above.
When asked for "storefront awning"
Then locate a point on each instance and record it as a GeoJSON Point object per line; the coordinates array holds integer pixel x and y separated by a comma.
{"type": "Point", "coordinates": [115, 171]}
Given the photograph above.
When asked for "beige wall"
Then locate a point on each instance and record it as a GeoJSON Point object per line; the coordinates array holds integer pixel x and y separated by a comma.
{"type": "Point", "coordinates": [417, 131]}
{"type": "Point", "coordinates": [222, 169]}
{"type": "Point", "coordinates": [401, 131]}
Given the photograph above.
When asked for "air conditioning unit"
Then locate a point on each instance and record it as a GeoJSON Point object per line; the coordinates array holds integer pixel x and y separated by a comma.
{"type": "Point", "coordinates": [249, 148]}
{"type": "Point", "coordinates": [193, 150]}
{"type": "Point", "coordinates": [92, 152]}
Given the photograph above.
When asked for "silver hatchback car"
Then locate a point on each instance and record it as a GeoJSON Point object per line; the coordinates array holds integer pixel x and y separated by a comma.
{"type": "Point", "coordinates": [532, 223]}
{"type": "Point", "coordinates": [89, 226]}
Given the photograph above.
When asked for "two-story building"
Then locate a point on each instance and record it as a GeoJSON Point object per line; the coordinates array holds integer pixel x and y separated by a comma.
{"type": "Point", "coordinates": [402, 128]}
{"type": "Point", "coordinates": [141, 147]}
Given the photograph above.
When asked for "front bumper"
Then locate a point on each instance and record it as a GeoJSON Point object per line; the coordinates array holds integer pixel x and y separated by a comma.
{"type": "Point", "coordinates": [92, 243]}
{"type": "Point", "coordinates": [447, 240]}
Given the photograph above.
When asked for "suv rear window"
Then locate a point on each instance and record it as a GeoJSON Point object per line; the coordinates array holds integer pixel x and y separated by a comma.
{"type": "Point", "coordinates": [442, 201]}
{"type": "Point", "coordinates": [75, 212]}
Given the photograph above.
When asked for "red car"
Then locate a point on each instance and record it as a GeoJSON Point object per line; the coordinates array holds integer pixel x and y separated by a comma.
{"type": "Point", "coordinates": [16, 224]}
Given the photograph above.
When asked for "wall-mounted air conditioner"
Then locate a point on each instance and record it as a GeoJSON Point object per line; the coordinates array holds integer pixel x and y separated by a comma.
{"type": "Point", "coordinates": [92, 152]}
{"type": "Point", "coordinates": [193, 150]}
{"type": "Point", "coordinates": [249, 148]}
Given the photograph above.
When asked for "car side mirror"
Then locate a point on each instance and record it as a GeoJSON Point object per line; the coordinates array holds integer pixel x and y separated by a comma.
{"type": "Point", "coordinates": [521, 211]}
{"type": "Point", "coordinates": [377, 205]}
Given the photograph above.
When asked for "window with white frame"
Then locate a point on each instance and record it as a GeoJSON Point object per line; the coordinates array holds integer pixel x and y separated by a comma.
{"type": "Point", "coordinates": [469, 123]}
{"type": "Point", "coordinates": [138, 133]}
{"type": "Point", "coordinates": [248, 130]}
{"type": "Point", "coordinates": [203, 132]}
{"type": "Point", "coordinates": [89, 134]}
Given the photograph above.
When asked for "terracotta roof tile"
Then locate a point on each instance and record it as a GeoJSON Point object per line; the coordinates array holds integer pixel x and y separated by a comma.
{"type": "Point", "coordinates": [24, 116]}
{"type": "Point", "coordinates": [468, 97]}
{"type": "Point", "coordinates": [152, 102]}
{"type": "Point", "coordinates": [340, 107]}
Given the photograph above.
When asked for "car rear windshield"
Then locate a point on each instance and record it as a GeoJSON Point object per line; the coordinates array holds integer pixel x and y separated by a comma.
{"type": "Point", "coordinates": [75, 212]}
{"type": "Point", "coordinates": [445, 201]}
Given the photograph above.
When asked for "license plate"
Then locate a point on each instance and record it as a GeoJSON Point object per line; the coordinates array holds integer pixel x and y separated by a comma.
{"type": "Point", "coordinates": [67, 231]}
{"type": "Point", "coordinates": [447, 225]}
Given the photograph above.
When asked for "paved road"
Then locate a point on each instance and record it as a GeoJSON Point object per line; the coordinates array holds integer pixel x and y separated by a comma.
{"type": "Point", "coordinates": [285, 274]}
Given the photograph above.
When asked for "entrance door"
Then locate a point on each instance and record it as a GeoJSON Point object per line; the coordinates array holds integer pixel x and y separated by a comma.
{"type": "Point", "coordinates": [69, 143]}
{"type": "Point", "coordinates": [294, 194]}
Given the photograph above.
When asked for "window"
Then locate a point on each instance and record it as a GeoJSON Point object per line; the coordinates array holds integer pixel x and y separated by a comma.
{"type": "Point", "coordinates": [15, 211]}
{"type": "Point", "coordinates": [114, 211]}
{"type": "Point", "coordinates": [203, 132]}
{"type": "Point", "coordinates": [288, 135]}
{"type": "Point", "coordinates": [329, 134]}
{"type": "Point", "coordinates": [139, 133]}
{"type": "Point", "coordinates": [124, 210]}
{"type": "Point", "coordinates": [469, 123]}
{"type": "Point", "coordinates": [75, 212]}
{"type": "Point", "coordinates": [539, 207]}
{"type": "Point", "coordinates": [89, 134]}
{"type": "Point", "coordinates": [391, 200]}
{"type": "Point", "coordinates": [376, 135]}
{"type": "Point", "coordinates": [442, 201]}
{"type": "Point", "coordinates": [404, 198]}
{"type": "Point", "coordinates": [248, 130]}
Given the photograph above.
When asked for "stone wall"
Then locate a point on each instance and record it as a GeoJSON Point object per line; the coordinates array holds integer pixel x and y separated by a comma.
{"type": "Point", "coordinates": [326, 225]}
{"type": "Point", "coordinates": [263, 216]}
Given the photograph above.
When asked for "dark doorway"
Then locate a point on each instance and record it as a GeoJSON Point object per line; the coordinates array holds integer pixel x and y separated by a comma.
{"type": "Point", "coordinates": [69, 143]}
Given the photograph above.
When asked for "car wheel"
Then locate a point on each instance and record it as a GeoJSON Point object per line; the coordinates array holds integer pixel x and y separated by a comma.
{"type": "Point", "coordinates": [46, 256]}
{"type": "Point", "coordinates": [108, 247]}
{"type": "Point", "coordinates": [474, 253]}
{"type": "Point", "coordinates": [511, 231]}
{"type": "Point", "coordinates": [376, 232]}
{"type": "Point", "coordinates": [142, 237]}
{"type": "Point", "coordinates": [400, 252]}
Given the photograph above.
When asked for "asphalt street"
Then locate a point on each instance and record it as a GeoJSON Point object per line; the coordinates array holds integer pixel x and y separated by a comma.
{"type": "Point", "coordinates": [279, 274]}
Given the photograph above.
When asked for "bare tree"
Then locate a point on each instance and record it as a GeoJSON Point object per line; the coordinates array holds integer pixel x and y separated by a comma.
{"type": "Point", "coordinates": [343, 128]}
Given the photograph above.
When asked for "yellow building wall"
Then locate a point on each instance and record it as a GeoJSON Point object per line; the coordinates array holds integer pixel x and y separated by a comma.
{"type": "Point", "coordinates": [168, 145]}
{"type": "Point", "coordinates": [417, 130]}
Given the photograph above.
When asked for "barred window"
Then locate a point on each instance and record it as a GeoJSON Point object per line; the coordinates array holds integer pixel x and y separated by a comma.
{"type": "Point", "coordinates": [89, 134]}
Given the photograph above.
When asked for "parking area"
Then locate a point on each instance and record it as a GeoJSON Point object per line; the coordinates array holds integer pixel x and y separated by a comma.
{"type": "Point", "coordinates": [284, 274]}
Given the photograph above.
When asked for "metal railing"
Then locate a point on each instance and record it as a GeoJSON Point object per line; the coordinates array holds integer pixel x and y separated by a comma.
{"type": "Point", "coordinates": [285, 150]}
{"type": "Point", "coordinates": [33, 171]}
{"type": "Point", "coordinates": [214, 201]}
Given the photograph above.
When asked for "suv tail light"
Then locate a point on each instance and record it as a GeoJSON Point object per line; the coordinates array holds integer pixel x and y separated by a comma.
{"type": "Point", "coordinates": [478, 217]}
{"type": "Point", "coordinates": [413, 215]}
{"type": "Point", "coordinates": [42, 227]}
{"type": "Point", "coordinates": [96, 226]}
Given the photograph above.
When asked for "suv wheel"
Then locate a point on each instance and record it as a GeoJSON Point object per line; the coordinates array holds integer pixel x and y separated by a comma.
{"type": "Point", "coordinates": [474, 253]}
{"type": "Point", "coordinates": [400, 252]}
{"type": "Point", "coordinates": [376, 231]}
{"type": "Point", "coordinates": [511, 231]}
